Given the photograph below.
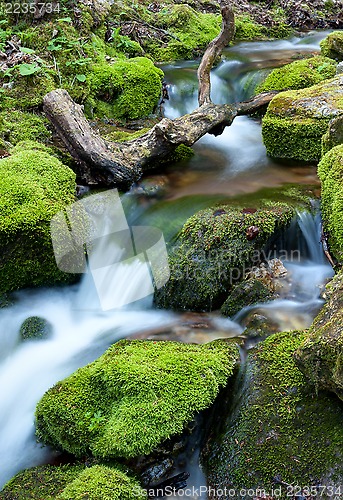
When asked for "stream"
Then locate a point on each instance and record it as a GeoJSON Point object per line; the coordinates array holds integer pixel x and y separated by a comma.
{"type": "Point", "coordinates": [232, 164]}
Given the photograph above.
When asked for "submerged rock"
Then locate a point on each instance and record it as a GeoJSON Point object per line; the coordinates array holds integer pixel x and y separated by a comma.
{"type": "Point", "coordinates": [72, 482]}
{"type": "Point", "coordinates": [296, 120]}
{"type": "Point", "coordinates": [134, 397]}
{"type": "Point", "coordinates": [34, 187]}
{"type": "Point", "coordinates": [35, 328]}
{"type": "Point", "coordinates": [320, 356]}
{"type": "Point", "coordinates": [278, 433]}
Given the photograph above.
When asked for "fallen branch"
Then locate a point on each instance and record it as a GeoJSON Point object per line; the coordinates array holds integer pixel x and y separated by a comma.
{"type": "Point", "coordinates": [108, 163]}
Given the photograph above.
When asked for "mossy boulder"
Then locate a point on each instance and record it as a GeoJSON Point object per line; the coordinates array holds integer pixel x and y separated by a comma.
{"type": "Point", "coordinates": [34, 187]}
{"type": "Point", "coordinates": [296, 120]}
{"type": "Point", "coordinates": [330, 171]}
{"type": "Point", "coordinates": [320, 356]}
{"type": "Point", "coordinates": [299, 74]}
{"type": "Point", "coordinates": [218, 245]}
{"type": "Point", "coordinates": [278, 431]}
{"type": "Point", "coordinates": [35, 327]}
{"type": "Point", "coordinates": [72, 482]}
{"type": "Point", "coordinates": [332, 46]}
{"type": "Point", "coordinates": [134, 397]}
{"type": "Point", "coordinates": [125, 89]}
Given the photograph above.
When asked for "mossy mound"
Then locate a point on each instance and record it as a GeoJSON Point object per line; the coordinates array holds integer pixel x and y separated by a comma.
{"type": "Point", "coordinates": [27, 92]}
{"type": "Point", "coordinates": [125, 89]}
{"type": "Point", "coordinates": [217, 246]}
{"type": "Point", "coordinates": [296, 120]}
{"type": "Point", "coordinates": [278, 431]}
{"type": "Point", "coordinates": [34, 187]}
{"type": "Point", "coordinates": [299, 74]}
{"type": "Point", "coordinates": [135, 396]}
{"type": "Point", "coordinates": [330, 171]}
{"type": "Point", "coordinates": [332, 46]}
{"type": "Point", "coordinates": [17, 126]}
{"type": "Point", "coordinates": [320, 357]}
{"type": "Point", "coordinates": [72, 482]}
{"type": "Point", "coordinates": [35, 328]}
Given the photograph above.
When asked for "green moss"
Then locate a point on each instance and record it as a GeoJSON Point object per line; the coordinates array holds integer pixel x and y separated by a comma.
{"type": "Point", "coordinates": [299, 74]}
{"type": "Point", "coordinates": [247, 29]}
{"type": "Point", "coordinates": [213, 251]}
{"type": "Point", "coordinates": [127, 89]}
{"type": "Point", "coordinates": [101, 482]}
{"type": "Point", "coordinates": [333, 136]}
{"type": "Point", "coordinates": [16, 126]}
{"type": "Point", "coordinates": [27, 92]}
{"type": "Point", "coordinates": [320, 355]}
{"type": "Point", "coordinates": [244, 294]}
{"type": "Point", "coordinates": [72, 482]}
{"type": "Point", "coordinates": [135, 396]}
{"type": "Point", "coordinates": [43, 482]}
{"type": "Point", "coordinates": [279, 430]}
{"type": "Point", "coordinates": [193, 31]}
{"type": "Point", "coordinates": [330, 171]}
{"type": "Point", "coordinates": [332, 46]}
{"type": "Point", "coordinates": [35, 328]}
{"type": "Point", "coordinates": [34, 187]}
{"type": "Point", "coordinates": [296, 120]}
{"type": "Point", "coordinates": [118, 135]}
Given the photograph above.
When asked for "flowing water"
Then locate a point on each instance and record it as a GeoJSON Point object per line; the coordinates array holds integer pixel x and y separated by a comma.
{"type": "Point", "coordinates": [232, 163]}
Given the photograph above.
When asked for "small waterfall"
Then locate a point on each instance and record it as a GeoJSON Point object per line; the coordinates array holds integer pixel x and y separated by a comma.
{"type": "Point", "coordinates": [301, 253]}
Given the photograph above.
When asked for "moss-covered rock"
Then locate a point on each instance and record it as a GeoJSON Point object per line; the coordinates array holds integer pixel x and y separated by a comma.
{"type": "Point", "coordinates": [135, 396]}
{"type": "Point", "coordinates": [218, 245]}
{"type": "Point", "coordinates": [34, 187]}
{"type": "Point", "coordinates": [330, 171]}
{"type": "Point", "coordinates": [126, 89]}
{"type": "Point", "coordinates": [35, 327]}
{"type": "Point", "coordinates": [333, 136]}
{"type": "Point", "coordinates": [320, 356]}
{"type": "Point", "coordinates": [332, 46]}
{"type": "Point", "coordinates": [72, 482]}
{"type": "Point", "coordinates": [278, 432]}
{"type": "Point", "coordinates": [296, 120]}
{"type": "Point", "coordinates": [27, 92]}
{"type": "Point", "coordinates": [299, 74]}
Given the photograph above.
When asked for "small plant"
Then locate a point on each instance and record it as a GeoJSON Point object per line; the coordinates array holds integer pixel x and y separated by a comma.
{"type": "Point", "coordinates": [96, 420]}
{"type": "Point", "coordinates": [27, 69]}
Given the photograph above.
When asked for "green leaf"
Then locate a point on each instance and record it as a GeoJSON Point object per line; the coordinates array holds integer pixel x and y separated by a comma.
{"type": "Point", "coordinates": [81, 78]}
{"type": "Point", "coordinates": [28, 69]}
{"type": "Point", "coordinates": [26, 50]}
{"type": "Point", "coordinates": [65, 20]}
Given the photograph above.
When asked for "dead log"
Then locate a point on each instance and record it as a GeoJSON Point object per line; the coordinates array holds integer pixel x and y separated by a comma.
{"type": "Point", "coordinates": [120, 164]}
{"type": "Point", "coordinates": [108, 163]}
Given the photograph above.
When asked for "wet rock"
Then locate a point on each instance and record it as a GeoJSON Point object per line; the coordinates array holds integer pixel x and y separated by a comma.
{"type": "Point", "coordinates": [320, 357]}
{"type": "Point", "coordinates": [157, 472]}
{"type": "Point", "coordinates": [277, 431]}
{"type": "Point", "coordinates": [334, 135]}
{"type": "Point", "coordinates": [263, 283]}
{"type": "Point", "coordinates": [35, 328]}
{"type": "Point", "coordinates": [339, 68]}
{"type": "Point", "coordinates": [296, 120]}
{"type": "Point", "coordinates": [330, 172]}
